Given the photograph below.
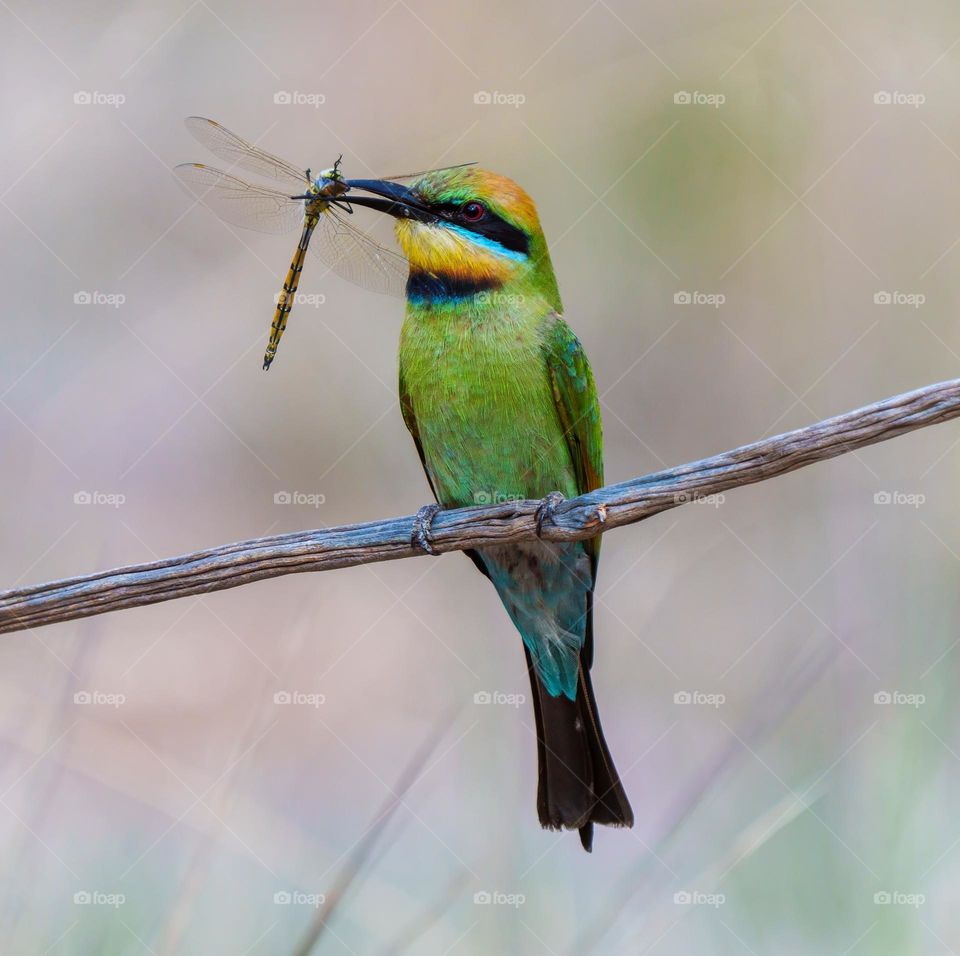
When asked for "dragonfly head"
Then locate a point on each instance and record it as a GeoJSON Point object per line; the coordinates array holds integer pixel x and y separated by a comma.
{"type": "Point", "coordinates": [331, 175]}
{"type": "Point", "coordinates": [475, 228]}
{"type": "Point", "coordinates": [330, 183]}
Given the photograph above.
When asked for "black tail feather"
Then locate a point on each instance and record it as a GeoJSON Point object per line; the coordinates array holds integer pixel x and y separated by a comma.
{"type": "Point", "coordinates": [577, 783]}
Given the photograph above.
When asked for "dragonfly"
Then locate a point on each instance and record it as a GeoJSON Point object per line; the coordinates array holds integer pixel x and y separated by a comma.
{"type": "Point", "coordinates": [318, 205]}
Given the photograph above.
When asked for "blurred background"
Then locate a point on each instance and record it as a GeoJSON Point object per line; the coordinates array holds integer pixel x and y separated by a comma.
{"type": "Point", "coordinates": [753, 215]}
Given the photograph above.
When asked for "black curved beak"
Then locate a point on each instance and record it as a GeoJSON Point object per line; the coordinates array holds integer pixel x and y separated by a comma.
{"type": "Point", "coordinates": [389, 197]}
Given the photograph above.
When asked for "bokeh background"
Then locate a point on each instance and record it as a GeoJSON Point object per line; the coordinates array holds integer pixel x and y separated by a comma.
{"type": "Point", "coordinates": [754, 216]}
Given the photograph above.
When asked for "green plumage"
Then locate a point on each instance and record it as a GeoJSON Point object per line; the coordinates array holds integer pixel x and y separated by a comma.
{"type": "Point", "coordinates": [504, 408]}
{"type": "Point", "coordinates": [481, 387]}
{"type": "Point", "coordinates": [498, 395]}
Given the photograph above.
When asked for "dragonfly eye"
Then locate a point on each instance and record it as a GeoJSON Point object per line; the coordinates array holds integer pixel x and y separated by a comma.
{"type": "Point", "coordinates": [473, 211]}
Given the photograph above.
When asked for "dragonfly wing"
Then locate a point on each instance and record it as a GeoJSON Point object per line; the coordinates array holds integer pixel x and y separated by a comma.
{"type": "Point", "coordinates": [356, 257]}
{"type": "Point", "coordinates": [241, 203]}
{"type": "Point", "coordinates": [238, 152]}
{"type": "Point", "coordinates": [423, 172]}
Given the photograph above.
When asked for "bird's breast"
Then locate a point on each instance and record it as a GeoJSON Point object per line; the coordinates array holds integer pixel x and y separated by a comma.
{"type": "Point", "coordinates": [484, 408]}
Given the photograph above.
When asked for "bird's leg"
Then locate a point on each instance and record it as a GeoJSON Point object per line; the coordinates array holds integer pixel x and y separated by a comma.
{"type": "Point", "coordinates": [420, 533]}
{"type": "Point", "coordinates": [547, 509]}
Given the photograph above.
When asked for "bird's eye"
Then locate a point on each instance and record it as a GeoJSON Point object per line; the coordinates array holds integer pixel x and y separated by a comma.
{"type": "Point", "coordinates": [473, 211]}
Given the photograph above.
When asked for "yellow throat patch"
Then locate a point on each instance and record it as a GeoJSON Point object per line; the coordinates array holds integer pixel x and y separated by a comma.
{"type": "Point", "coordinates": [443, 251]}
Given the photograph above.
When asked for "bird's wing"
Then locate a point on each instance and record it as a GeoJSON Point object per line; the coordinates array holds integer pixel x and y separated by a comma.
{"type": "Point", "coordinates": [410, 420]}
{"type": "Point", "coordinates": [578, 408]}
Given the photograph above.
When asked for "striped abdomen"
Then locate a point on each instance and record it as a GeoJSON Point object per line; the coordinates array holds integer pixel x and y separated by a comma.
{"type": "Point", "coordinates": [285, 300]}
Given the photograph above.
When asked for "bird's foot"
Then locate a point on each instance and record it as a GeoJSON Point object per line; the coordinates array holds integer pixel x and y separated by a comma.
{"type": "Point", "coordinates": [547, 509]}
{"type": "Point", "coordinates": [420, 533]}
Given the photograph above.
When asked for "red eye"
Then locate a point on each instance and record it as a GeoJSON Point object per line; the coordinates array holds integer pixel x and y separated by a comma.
{"type": "Point", "coordinates": [473, 211]}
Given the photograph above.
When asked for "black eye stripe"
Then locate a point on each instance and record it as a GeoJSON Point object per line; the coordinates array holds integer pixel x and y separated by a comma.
{"type": "Point", "coordinates": [502, 232]}
{"type": "Point", "coordinates": [490, 227]}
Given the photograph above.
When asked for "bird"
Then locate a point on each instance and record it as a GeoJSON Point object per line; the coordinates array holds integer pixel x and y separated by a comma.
{"type": "Point", "coordinates": [498, 395]}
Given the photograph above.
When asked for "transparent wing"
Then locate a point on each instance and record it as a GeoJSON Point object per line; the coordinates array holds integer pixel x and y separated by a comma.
{"type": "Point", "coordinates": [238, 152]}
{"type": "Point", "coordinates": [423, 172]}
{"type": "Point", "coordinates": [241, 203]}
{"type": "Point", "coordinates": [356, 257]}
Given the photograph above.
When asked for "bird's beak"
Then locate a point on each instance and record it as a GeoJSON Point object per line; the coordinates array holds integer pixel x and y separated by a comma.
{"type": "Point", "coordinates": [390, 197]}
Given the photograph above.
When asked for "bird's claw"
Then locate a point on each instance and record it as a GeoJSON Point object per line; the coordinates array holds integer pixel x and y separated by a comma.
{"type": "Point", "coordinates": [547, 509]}
{"type": "Point", "coordinates": [420, 534]}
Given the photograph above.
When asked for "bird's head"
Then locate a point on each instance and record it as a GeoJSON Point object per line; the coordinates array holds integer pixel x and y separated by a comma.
{"type": "Point", "coordinates": [464, 230]}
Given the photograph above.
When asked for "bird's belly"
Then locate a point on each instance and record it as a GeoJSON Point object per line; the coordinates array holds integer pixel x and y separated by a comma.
{"type": "Point", "coordinates": [476, 462]}
{"type": "Point", "coordinates": [485, 413]}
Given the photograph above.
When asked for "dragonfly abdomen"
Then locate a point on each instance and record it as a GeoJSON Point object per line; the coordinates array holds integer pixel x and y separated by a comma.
{"type": "Point", "coordinates": [289, 291]}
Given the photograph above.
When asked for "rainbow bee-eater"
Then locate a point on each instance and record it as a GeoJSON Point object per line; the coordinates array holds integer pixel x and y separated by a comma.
{"type": "Point", "coordinates": [498, 395]}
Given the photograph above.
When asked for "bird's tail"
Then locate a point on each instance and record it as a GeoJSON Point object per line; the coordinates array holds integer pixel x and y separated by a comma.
{"type": "Point", "coordinates": [577, 783]}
